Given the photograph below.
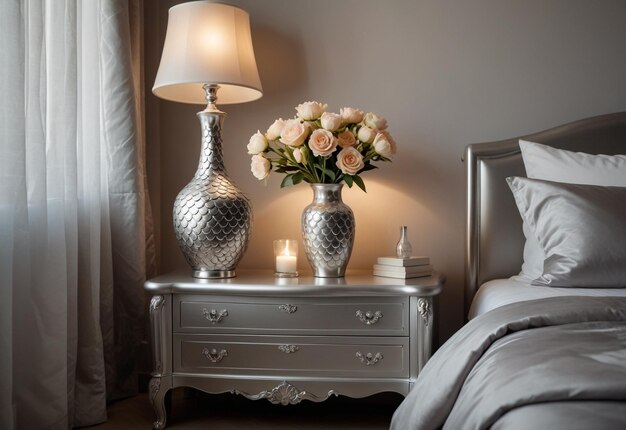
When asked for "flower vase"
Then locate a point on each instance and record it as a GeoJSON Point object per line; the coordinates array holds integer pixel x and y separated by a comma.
{"type": "Point", "coordinates": [328, 231]}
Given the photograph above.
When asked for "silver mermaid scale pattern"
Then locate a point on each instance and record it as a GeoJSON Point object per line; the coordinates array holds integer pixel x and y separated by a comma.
{"type": "Point", "coordinates": [212, 217]}
{"type": "Point", "coordinates": [328, 231]}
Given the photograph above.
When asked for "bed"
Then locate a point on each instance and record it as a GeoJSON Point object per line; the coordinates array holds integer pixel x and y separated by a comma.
{"type": "Point", "coordinates": [545, 344]}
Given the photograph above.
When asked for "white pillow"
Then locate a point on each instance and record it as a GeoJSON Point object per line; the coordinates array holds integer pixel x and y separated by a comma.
{"type": "Point", "coordinates": [558, 165]}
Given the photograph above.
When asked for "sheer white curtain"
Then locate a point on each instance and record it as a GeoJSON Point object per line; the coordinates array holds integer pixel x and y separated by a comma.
{"type": "Point", "coordinates": [74, 223]}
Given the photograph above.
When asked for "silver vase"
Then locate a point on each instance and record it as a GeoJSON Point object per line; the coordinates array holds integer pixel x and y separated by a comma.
{"type": "Point", "coordinates": [328, 231]}
{"type": "Point", "coordinates": [212, 217]}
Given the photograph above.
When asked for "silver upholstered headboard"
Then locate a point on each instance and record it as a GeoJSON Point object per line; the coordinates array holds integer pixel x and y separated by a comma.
{"type": "Point", "coordinates": [494, 240]}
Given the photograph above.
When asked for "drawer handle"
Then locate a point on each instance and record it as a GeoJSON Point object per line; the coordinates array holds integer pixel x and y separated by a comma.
{"type": "Point", "coordinates": [213, 315]}
{"type": "Point", "coordinates": [369, 359]}
{"type": "Point", "coordinates": [288, 308]}
{"type": "Point", "coordinates": [288, 349]}
{"type": "Point", "coordinates": [213, 355]}
{"type": "Point", "coordinates": [369, 317]}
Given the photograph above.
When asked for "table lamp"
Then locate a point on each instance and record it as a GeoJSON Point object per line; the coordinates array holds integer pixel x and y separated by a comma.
{"type": "Point", "coordinates": [208, 47]}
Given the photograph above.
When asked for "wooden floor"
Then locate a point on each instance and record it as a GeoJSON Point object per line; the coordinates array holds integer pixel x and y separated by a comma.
{"type": "Point", "coordinates": [193, 410]}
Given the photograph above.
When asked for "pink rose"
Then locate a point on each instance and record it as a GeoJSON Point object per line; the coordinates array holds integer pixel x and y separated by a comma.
{"type": "Point", "coordinates": [384, 145]}
{"type": "Point", "coordinates": [350, 161]}
{"type": "Point", "coordinates": [374, 121]}
{"type": "Point", "coordinates": [294, 133]}
{"type": "Point", "coordinates": [310, 111]}
{"type": "Point", "coordinates": [260, 166]}
{"type": "Point", "coordinates": [257, 143]}
{"type": "Point", "coordinates": [275, 129]}
{"type": "Point", "coordinates": [322, 143]}
{"type": "Point", "coordinates": [366, 134]}
{"type": "Point", "coordinates": [345, 139]}
{"type": "Point", "coordinates": [350, 115]}
{"type": "Point", "coordinates": [330, 121]}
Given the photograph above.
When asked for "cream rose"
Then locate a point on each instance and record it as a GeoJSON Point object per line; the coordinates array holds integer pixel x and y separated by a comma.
{"type": "Point", "coordinates": [366, 134]}
{"type": "Point", "coordinates": [330, 121]}
{"type": "Point", "coordinates": [349, 161]}
{"type": "Point", "coordinates": [384, 145]}
{"type": "Point", "coordinates": [351, 115]}
{"type": "Point", "coordinates": [275, 129]}
{"type": "Point", "coordinates": [310, 111]}
{"type": "Point", "coordinates": [374, 121]}
{"type": "Point", "coordinates": [294, 133]}
{"type": "Point", "coordinates": [322, 143]}
{"type": "Point", "coordinates": [257, 143]}
{"type": "Point", "coordinates": [345, 139]}
{"type": "Point", "coordinates": [260, 166]}
{"type": "Point", "coordinates": [298, 155]}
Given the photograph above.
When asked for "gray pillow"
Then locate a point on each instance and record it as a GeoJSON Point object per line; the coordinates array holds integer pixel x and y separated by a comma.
{"type": "Point", "coordinates": [581, 228]}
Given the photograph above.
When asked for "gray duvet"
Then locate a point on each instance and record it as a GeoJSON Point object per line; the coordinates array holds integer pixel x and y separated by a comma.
{"type": "Point", "coordinates": [557, 363]}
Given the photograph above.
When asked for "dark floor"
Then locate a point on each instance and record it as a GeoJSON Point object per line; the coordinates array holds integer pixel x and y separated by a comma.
{"type": "Point", "coordinates": [194, 410]}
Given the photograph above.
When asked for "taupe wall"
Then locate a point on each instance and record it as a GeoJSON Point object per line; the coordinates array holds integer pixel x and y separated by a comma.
{"type": "Point", "coordinates": [444, 73]}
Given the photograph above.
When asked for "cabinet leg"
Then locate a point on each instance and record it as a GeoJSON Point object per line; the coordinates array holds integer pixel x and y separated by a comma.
{"type": "Point", "coordinates": [158, 389]}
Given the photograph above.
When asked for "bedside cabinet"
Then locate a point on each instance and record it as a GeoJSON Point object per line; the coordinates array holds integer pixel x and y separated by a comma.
{"type": "Point", "coordinates": [289, 339]}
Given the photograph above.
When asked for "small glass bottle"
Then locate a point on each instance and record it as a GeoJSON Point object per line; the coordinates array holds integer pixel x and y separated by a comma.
{"type": "Point", "coordinates": [404, 248]}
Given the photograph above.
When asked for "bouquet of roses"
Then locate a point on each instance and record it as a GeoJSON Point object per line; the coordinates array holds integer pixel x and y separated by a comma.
{"type": "Point", "coordinates": [322, 147]}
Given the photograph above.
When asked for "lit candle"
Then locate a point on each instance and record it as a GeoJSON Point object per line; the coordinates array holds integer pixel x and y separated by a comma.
{"type": "Point", "coordinates": [286, 263]}
{"type": "Point", "coordinates": [286, 253]}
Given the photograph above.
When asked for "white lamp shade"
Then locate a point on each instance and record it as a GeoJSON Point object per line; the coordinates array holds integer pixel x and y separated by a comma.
{"type": "Point", "coordinates": [207, 43]}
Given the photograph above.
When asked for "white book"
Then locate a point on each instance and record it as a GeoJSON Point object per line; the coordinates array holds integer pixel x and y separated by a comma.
{"type": "Point", "coordinates": [387, 274]}
{"type": "Point", "coordinates": [404, 262]}
{"type": "Point", "coordinates": [409, 270]}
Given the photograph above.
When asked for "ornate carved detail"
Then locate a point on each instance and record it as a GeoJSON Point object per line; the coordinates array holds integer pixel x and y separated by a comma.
{"type": "Point", "coordinates": [156, 303]}
{"type": "Point", "coordinates": [213, 355]}
{"type": "Point", "coordinates": [285, 394]}
{"type": "Point", "coordinates": [369, 359]}
{"type": "Point", "coordinates": [369, 317]}
{"type": "Point", "coordinates": [213, 315]}
{"type": "Point", "coordinates": [425, 310]}
{"type": "Point", "coordinates": [288, 349]}
{"type": "Point", "coordinates": [288, 308]}
{"type": "Point", "coordinates": [155, 385]}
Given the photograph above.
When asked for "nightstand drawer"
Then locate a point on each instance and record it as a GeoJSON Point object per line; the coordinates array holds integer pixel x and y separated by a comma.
{"type": "Point", "coordinates": [386, 316]}
{"type": "Point", "coordinates": [332, 356]}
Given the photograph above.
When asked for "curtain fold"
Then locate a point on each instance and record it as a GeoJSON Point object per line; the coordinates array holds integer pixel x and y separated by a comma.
{"type": "Point", "coordinates": [75, 225]}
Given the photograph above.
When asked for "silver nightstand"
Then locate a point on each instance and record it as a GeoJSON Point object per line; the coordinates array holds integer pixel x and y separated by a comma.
{"type": "Point", "coordinates": [288, 340]}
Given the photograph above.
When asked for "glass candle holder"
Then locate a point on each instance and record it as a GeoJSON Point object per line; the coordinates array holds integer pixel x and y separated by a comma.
{"type": "Point", "coordinates": [286, 257]}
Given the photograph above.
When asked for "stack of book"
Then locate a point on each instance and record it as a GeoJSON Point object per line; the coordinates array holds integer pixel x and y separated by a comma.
{"type": "Point", "coordinates": [403, 268]}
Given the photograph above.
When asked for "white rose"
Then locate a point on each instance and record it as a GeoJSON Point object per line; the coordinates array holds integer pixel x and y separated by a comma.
{"type": "Point", "coordinates": [257, 143]}
{"type": "Point", "coordinates": [345, 139]}
{"type": "Point", "coordinates": [350, 161]}
{"type": "Point", "coordinates": [294, 132]}
{"type": "Point", "coordinates": [374, 121]}
{"type": "Point", "coordinates": [260, 166]}
{"type": "Point", "coordinates": [384, 145]}
{"type": "Point", "coordinates": [330, 121]}
{"type": "Point", "coordinates": [299, 156]}
{"type": "Point", "coordinates": [275, 129]}
{"type": "Point", "coordinates": [310, 111]}
{"type": "Point", "coordinates": [322, 143]}
{"type": "Point", "coordinates": [366, 134]}
{"type": "Point", "coordinates": [351, 115]}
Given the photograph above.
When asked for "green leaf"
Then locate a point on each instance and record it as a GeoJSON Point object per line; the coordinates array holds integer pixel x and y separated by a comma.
{"type": "Point", "coordinates": [348, 180]}
{"type": "Point", "coordinates": [297, 178]}
{"type": "Point", "coordinates": [368, 166]}
{"type": "Point", "coordinates": [287, 181]}
{"type": "Point", "coordinates": [359, 182]}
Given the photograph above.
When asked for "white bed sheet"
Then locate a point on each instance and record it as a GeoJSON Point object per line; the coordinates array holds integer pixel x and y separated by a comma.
{"type": "Point", "coordinates": [500, 292]}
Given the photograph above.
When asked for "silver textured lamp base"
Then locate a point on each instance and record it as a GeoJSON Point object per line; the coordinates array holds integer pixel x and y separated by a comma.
{"type": "Point", "coordinates": [212, 217]}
